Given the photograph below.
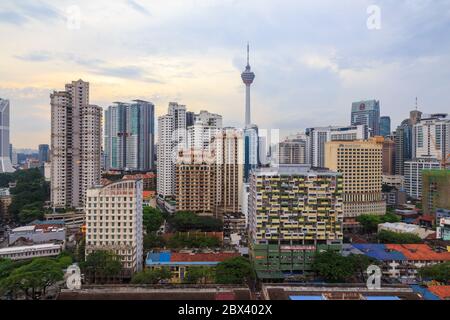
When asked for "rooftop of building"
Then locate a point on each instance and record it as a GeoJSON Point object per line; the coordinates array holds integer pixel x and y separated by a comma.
{"type": "Point", "coordinates": [157, 292]}
{"type": "Point", "coordinates": [294, 170]}
{"type": "Point", "coordinates": [180, 258]}
{"type": "Point", "coordinates": [379, 252]}
{"type": "Point", "coordinates": [419, 252]}
{"type": "Point", "coordinates": [27, 248]}
{"type": "Point", "coordinates": [443, 292]}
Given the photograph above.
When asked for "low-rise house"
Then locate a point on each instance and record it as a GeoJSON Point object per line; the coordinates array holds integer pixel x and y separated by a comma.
{"type": "Point", "coordinates": [180, 262]}
{"type": "Point", "coordinates": [400, 227]}
{"type": "Point", "coordinates": [30, 252]}
{"type": "Point", "coordinates": [38, 232]}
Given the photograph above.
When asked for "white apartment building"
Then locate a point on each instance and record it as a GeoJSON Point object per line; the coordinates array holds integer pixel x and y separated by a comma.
{"type": "Point", "coordinates": [172, 137]}
{"type": "Point", "coordinates": [75, 145]}
{"type": "Point", "coordinates": [30, 252]}
{"type": "Point", "coordinates": [431, 137]}
{"type": "Point", "coordinates": [199, 135]}
{"type": "Point", "coordinates": [209, 119]}
{"type": "Point", "coordinates": [114, 222]}
{"type": "Point", "coordinates": [413, 175]}
{"type": "Point", "coordinates": [317, 137]}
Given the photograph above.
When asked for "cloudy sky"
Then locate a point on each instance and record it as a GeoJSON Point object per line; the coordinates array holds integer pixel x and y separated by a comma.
{"type": "Point", "coordinates": [311, 58]}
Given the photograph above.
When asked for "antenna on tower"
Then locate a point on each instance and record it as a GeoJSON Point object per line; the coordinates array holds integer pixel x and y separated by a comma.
{"type": "Point", "coordinates": [417, 105]}
{"type": "Point", "coordinates": [248, 53]}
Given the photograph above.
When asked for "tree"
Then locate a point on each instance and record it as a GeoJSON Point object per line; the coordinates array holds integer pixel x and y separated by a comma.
{"type": "Point", "coordinates": [187, 221]}
{"type": "Point", "coordinates": [153, 241]}
{"type": "Point", "coordinates": [183, 240]}
{"type": "Point", "coordinates": [197, 275]}
{"type": "Point", "coordinates": [101, 265]}
{"type": "Point", "coordinates": [152, 219]}
{"type": "Point", "coordinates": [370, 222]}
{"type": "Point", "coordinates": [153, 276]}
{"type": "Point", "coordinates": [439, 272]}
{"type": "Point", "coordinates": [81, 253]}
{"type": "Point", "coordinates": [238, 270]}
{"type": "Point", "coordinates": [34, 278]}
{"type": "Point", "coordinates": [334, 267]}
{"type": "Point", "coordinates": [385, 236]}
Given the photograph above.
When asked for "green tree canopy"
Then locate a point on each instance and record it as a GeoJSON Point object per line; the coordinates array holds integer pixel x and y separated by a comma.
{"type": "Point", "coordinates": [334, 267]}
{"type": "Point", "coordinates": [439, 272]}
{"type": "Point", "coordinates": [152, 219]}
{"type": "Point", "coordinates": [183, 240]}
{"type": "Point", "coordinates": [153, 276]}
{"type": "Point", "coordinates": [370, 222]}
{"type": "Point", "coordinates": [197, 275]}
{"type": "Point", "coordinates": [188, 221]}
{"type": "Point", "coordinates": [153, 241]}
{"type": "Point", "coordinates": [101, 265]}
{"type": "Point", "coordinates": [236, 270]}
{"type": "Point", "coordinates": [33, 278]}
{"type": "Point", "coordinates": [385, 236]}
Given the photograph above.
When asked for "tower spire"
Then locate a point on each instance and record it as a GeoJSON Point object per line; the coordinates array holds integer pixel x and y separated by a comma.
{"type": "Point", "coordinates": [248, 53]}
{"type": "Point", "coordinates": [417, 105]}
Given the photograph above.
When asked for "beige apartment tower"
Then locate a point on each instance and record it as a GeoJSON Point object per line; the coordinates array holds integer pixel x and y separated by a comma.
{"type": "Point", "coordinates": [75, 145]}
{"type": "Point", "coordinates": [361, 163]}
{"type": "Point", "coordinates": [114, 222]}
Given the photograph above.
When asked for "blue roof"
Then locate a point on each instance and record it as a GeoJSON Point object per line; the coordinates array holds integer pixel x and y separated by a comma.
{"type": "Point", "coordinates": [382, 298]}
{"type": "Point", "coordinates": [424, 292]}
{"type": "Point", "coordinates": [163, 259]}
{"type": "Point", "coordinates": [159, 257]}
{"type": "Point", "coordinates": [379, 252]}
{"type": "Point", "coordinates": [306, 298]}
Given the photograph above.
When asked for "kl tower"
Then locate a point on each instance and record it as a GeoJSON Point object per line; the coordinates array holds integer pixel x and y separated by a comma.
{"type": "Point", "coordinates": [247, 77]}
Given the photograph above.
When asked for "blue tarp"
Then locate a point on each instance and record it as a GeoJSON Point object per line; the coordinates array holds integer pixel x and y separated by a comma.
{"type": "Point", "coordinates": [424, 292]}
{"type": "Point", "coordinates": [382, 298]}
{"type": "Point", "coordinates": [379, 252]}
{"type": "Point", "coordinates": [306, 298]}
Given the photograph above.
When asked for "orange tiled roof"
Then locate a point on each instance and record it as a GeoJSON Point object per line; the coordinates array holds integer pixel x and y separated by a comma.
{"type": "Point", "coordinates": [442, 292]}
{"type": "Point", "coordinates": [419, 252]}
{"type": "Point", "coordinates": [148, 194]}
{"type": "Point", "coordinates": [201, 257]}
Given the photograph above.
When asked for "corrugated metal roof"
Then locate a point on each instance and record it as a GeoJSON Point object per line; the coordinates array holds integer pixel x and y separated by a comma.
{"type": "Point", "coordinates": [380, 252]}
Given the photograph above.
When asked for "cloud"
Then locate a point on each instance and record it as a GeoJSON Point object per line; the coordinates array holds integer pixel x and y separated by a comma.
{"type": "Point", "coordinates": [138, 7]}
{"type": "Point", "coordinates": [35, 56]}
{"type": "Point", "coordinates": [12, 17]}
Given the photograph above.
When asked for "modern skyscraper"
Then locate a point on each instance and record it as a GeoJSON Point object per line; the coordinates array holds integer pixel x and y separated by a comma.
{"type": "Point", "coordinates": [368, 113]}
{"type": "Point", "coordinates": [388, 157]}
{"type": "Point", "coordinates": [251, 150]}
{"type": "Point", "coordinates": [431, 137]}
{"type": "Point", "coordinates": [385, 126]}
{"type": "Point", "coordinates": [292, 151]}
{"type": "Point", "coordinates": [114, 222]}
{"type": "Point", "coordinates": [247, 77]}
{"type": "Point", "coordinates": [294, 211]}
{"type": "Point", "coordinates": [129, 136]}
{"type": "Point", "coordinates": [75, 145]}
{"type": "Point", "coordinates": [172, 138]}
{"type": "Point", "coordinates": [361, 164]}
{"type": "Point", "coordinates": [435, 190]}
{"type": "Point", "coordinates": [209, 180]}
{"type": "Point", "coordinates": [44, 154]}
{"type": "Point", "coordinates": [403, 141]}
{"type": "Point", "coordinates": [413, 170]}
{"type": "Point", "coordinates": [317, 137]}
{"type": "Point", "coordinates": [5, 157]}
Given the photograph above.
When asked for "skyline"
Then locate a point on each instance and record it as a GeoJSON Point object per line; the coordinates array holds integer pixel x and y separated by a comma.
{"type": "Point", "coordinates": [310, 68]}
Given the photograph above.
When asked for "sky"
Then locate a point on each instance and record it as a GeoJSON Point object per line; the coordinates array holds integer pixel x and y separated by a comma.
{"type": "Point", "coordinates": [312, 59]}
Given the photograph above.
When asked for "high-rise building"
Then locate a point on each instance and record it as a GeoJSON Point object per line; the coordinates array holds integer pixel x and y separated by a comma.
{"type": "Point", "coordinates": [190, 118]}
{"type": "Point", "coordinates": [385, 126]}
{"type": "Point", "coordinates": [172, 138]}
{"type": "Point", "coordinates": [208, 119]}
{"type": "Point", "coordinates": [413, 174]}
{"type": "Point", "coordinates": [209, 180]}
{"type": "Point", "coordinates": [5, 157]}
{"type": "Point", "coordinates": [200, 134]}
{"type": "Point", "coordinates": [403, 141]}
{"type": "Point", "coordinates": [293, 212]}
{"type": "Point", "coordinates": [317, 137]}
{"type": "Point", "coordinates": [44, 154]}
{"type": "Point", "coordinates": [196, 182]}
{"type": "Point", "coordinates": [361, 164]}
{"type": "Point", "coordinates": [388, 157]}
{"type": "Point", "coordinates": [292, 151]}
{"type": "Point", "coordinates": [114, 222]}
{"type": "Point", "coordinates": [229, 153]}
{"type": "Point", "coordinates": [248, 77]}
{"type": "Point", "coordinates": [251, 150]}
{"type": "Point", "coordinates": [75, 145]}
{"type": "Point", "coordinates": [129, 136]}
{"type": "Point", "coordinates": [431, 137]}
{"type": "Point", "coordinates": [367, 113]}
{"type": "Point", "coordinates": [435, 190]}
